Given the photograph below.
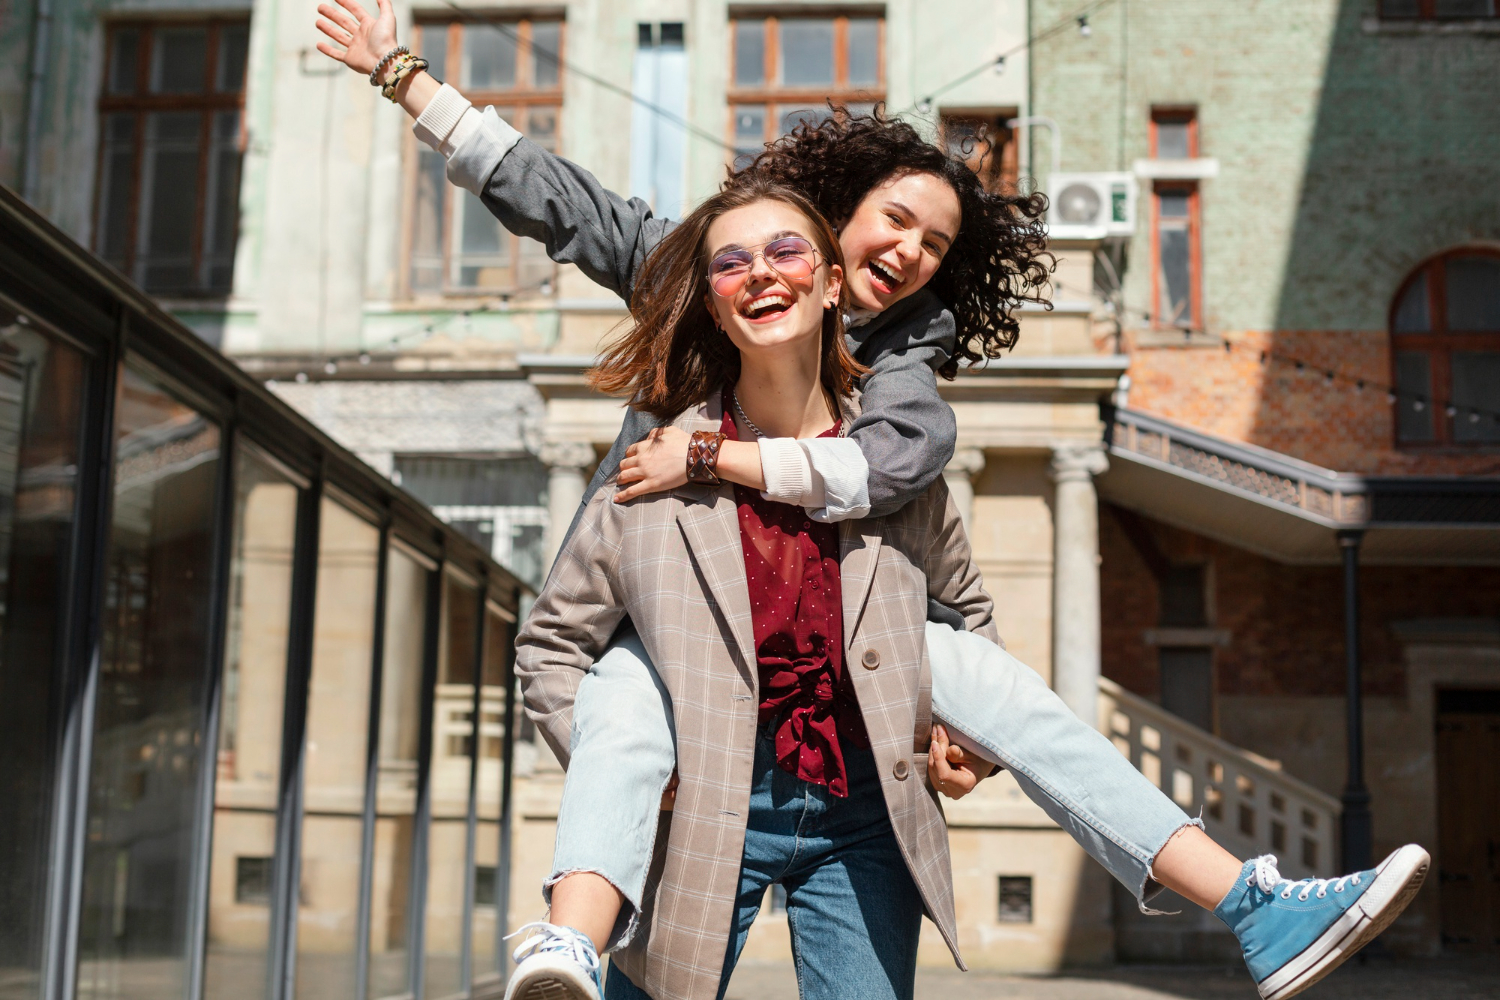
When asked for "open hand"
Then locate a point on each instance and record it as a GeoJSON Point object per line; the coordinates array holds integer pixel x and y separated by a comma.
{"type": "Point", "coordinates": [656, 464]}
{"type": "Point", "coordinates": [952, 770]}
{"type": "Point", "coordinates": [362, 39]}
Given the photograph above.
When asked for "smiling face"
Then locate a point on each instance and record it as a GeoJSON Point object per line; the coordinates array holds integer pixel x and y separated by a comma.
{"type": "Point", "coordinates": [897, 237]}
{"type": "Point", "coordinates": [769, 307]}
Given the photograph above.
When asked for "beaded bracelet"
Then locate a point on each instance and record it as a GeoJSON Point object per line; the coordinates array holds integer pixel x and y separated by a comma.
{"type": "Point", "coordinates": [375, 73]}
{"type": "Point", "coordinates": [405, 65]}
{"type": "Point", "coordinates": [703, 457]}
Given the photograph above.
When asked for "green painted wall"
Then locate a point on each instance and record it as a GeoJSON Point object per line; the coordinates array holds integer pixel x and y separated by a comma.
{"type": "Point", "coordinates": [1348, 150]}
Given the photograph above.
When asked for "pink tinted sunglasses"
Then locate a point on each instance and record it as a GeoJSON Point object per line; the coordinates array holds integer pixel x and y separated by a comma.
{"type": "Point", "coordinates": [791, 256]}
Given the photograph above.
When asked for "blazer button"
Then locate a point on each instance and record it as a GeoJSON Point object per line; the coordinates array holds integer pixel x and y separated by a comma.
{"type": "Point", "coordinates": [870, 659]}
{"type": "Point", "coordinates": [901, 770]}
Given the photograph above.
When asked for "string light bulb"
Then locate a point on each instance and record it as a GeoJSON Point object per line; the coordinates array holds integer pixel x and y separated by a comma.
{"type": "Point", "coordinates": [331, 368]}
{"type": "Point", "coordinates": [302, 376]}
{"type": "Point", "coordinates": [364, 359]}
{"type": "Point", "coordinates": [1084, 30]}
{"type": "Point", "coordinates": [999, 66]}
{"type": "Point", "coordinates": [925, 105]}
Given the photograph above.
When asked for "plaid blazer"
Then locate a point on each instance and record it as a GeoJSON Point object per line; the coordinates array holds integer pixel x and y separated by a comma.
{"type": "Point", "coordinates": [674, 564]}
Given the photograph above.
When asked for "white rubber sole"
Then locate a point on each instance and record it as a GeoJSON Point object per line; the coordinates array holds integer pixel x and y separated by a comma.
{"type": "Point", "coordinates": [1397, 880]}
{"type": "Point", "coordinates": [550, 977]}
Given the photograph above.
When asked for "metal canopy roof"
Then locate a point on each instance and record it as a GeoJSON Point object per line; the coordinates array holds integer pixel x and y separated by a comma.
{"type": "Point", "coordinates": [1290, 510]}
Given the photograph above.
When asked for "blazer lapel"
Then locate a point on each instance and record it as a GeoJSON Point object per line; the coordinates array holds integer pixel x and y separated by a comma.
{"type": "Point", "coordinates": [711, 526]}
{"type": "Point", "coordinates": [710, 523]}
{"type": "Point", "coordinates": [859, 551]}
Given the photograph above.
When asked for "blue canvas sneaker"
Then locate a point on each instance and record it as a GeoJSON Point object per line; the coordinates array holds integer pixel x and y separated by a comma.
{"type": "Point", "coordinates": [555, 963]}
{"type": "Point", "coordinates": [1295, 933]}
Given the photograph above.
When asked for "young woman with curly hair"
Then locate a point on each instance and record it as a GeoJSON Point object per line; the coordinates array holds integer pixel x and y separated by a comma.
{"type": "Point", "coordinates": [934, 267]}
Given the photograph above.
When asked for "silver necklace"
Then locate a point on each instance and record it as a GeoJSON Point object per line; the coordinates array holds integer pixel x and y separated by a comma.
{"type": "Point", "coordinates": [745, 417]}
{"type": "Point", "coordinates": [751, 423]}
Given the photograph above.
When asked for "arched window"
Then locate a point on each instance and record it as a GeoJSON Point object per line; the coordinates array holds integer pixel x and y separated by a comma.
{"type": "Point", "coordinates": [1445, 351]}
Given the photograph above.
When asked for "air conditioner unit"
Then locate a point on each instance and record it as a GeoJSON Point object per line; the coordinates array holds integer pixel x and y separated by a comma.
{"type": "Point", "coordinates": [1091, 206]}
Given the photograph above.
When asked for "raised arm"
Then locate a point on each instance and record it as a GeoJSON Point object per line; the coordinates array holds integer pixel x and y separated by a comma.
{"type": "Point", "coordinates": [571, 623]}
{"type": "Point", "coordinates": [531, 191]}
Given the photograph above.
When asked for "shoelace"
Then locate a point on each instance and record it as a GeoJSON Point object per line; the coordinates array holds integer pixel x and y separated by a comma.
{"type": "Point", "coordinates": [553, 937]}
{"type": "Point", "coordinates": [1268, 880]}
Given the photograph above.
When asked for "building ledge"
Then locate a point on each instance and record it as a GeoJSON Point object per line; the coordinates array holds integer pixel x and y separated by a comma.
{"type": "Point", "coordinates": [1413, 27]}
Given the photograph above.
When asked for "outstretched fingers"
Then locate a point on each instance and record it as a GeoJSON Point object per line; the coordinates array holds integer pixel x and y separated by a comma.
{"type": "Point", "coordinates": [355, 8]}
{"type": "Point", "coordinates": [339, 17]}
{"type": "Point", "coordinates": [336, 33]}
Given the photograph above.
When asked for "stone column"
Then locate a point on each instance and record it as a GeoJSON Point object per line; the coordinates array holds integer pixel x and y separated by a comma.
{"type": "Point", "coordinates": [960, 471]}
{"type": "Point", "coordinates": [1075, 578]}
{"type": "Point", "coordinates": [568, 464]}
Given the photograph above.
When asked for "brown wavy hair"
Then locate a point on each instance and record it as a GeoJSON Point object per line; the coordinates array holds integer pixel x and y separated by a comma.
{"type": "Point", "coordinates": [997, 261]}
{"type": "Point", "coordinates": [673, 356]}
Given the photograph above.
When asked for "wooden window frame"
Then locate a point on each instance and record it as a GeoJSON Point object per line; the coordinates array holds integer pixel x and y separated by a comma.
{"type": "Point", "coordinates": [775, 98]}
{"type": "Point", "coordinates": [1439, 345]}
{"type": "Point", "coordinates": [1195, 254]}
{"type": "Point", "coordinates": [208, 102]}
{"type": "Point", "coordinates": [1427, 11]}
{"type": "Point", "coordinates": [1174, 114]}
{"type": "Point", "coordinates": [1000, 174]}
{"type": "Point", "coordinates": [519, 100]}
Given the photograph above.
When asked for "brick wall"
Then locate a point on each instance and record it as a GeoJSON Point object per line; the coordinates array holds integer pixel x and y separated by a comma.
{"type": "Point", "coordinates": [1233, 395]}
{"type": "Point", "coordinates": [1286, 622]}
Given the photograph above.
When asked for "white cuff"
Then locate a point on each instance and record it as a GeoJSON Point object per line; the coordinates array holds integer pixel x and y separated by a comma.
{"type": "Point", "coordinates": [438, 121]}
{"type": "Point", "coordinates": [478, 151]}
{"type": "Point", "coordinates": [841, 479]}
{"type": "Point", "coordinates": [787, 472]}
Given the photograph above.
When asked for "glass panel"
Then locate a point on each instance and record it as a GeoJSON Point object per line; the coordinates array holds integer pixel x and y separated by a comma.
{"type": "Point", "coordinates": [1411, 313]}
{"type": "Point", "coordinates": [749, 133]}
{"type": "Point", "coordinates": [481, 256]}
{"type": "Point", "coordinates": [396, 788]}
{"type": "Point", "coordinates": [749, 53]}
{"type": "Point", "coordinates": [252, 702]}
{"type": "Point", "coordinates": [1172, 140]}
{"type": "Point", "coordinates": [489, 56]}
{"type": "Point", "coordinates": [1476, 394]}
{"type": "Point", "coordinates": [1473, 293]}
{"type": "Point", "coordinates": [1400, 8]}
{"type": "Point", "coordinates": [147, 745]}
{"type": "Point", "coordinates": [1174, 307]}
{"type": "Point", "coordinates": [124, 60]}
{"type": "Point", "coordinates": [497, 647]}
{"type": "Point", "coordinates": [41, 392]}
{"type": "Point", "coordinates": [116, 186]}
{"type": "Point", "coordinates": [233, 40]}
{"type": "Point", "coordinates": [1463, 8]}
{"type": "Point", "coordinates": [178, 60]}
{"type": "Point", "coordinates": [791, 118]}
{"type": "Point", "coordinates": [427, 221]}
{"type": "Point", "coordinates": [220, 222]}
{"type": "Point", "coordinates": [434, 48]}
{"type": "Point", "coordinates": [806, 52]}
{"type": "Point", "coordinates": [546, 39]}
{"type": "Point", "coordinates": [1414, 396]}
{"type": "Point", "coordinates": [169, 200]}
{"type": "Point", "coordinates": [334, 762]}
{"type": "Point", "coordinates": [864, 51]}
{"type": "Point", "coordinates": [452, 751]}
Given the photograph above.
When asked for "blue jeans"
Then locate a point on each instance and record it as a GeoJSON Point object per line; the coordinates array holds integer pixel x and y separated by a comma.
{"type": "Point", "coordinates": [624, 752]}
{"type": "Point", "coordinates": [851, 904]}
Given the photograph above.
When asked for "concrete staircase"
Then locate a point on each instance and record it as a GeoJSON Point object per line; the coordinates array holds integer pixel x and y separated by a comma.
{"type": "Point", "coordinates": [1247, 803]}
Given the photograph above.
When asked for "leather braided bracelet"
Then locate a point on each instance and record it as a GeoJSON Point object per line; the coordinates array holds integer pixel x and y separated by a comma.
{"type": "Point", "coordinates": [703, 457]}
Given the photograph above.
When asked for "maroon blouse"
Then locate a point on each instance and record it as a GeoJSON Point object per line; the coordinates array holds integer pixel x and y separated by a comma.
{"type": "Point", "coordinates": [797, 615]}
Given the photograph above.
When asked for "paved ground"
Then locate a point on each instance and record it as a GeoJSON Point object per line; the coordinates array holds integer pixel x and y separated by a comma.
{"type": "Point", "coordinates": [1376, 979]}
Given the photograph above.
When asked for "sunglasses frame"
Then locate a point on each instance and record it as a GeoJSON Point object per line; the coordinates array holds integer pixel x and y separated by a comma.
{"type": "Point", "coordinates": [758, 250]}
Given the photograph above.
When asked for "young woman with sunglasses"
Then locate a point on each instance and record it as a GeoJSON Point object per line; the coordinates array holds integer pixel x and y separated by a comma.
{"type": "Point", "coordinates": [935, 267]}
{"type": "Point", "coordinates": [797, 767]}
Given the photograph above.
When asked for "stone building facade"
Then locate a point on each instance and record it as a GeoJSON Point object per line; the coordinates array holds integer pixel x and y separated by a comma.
{"type": "Point", "coordinates": [1302, 160]}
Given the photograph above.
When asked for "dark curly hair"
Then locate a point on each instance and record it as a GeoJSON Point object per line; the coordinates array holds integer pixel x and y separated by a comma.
{"type": "Point", "coordinates": [997, 261]}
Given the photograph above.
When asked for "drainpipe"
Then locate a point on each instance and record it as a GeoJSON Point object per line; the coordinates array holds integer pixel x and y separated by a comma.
{"type": "Point", "coordinates": [36, 79]}
{"type": "Point", "coordinates": [1356, 829]}
{"type": "Point", "coordinates": [1032, 120]}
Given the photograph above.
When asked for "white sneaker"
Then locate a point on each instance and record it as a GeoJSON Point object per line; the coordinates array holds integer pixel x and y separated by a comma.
{"type": "Point", "coordinates": [555, 963]}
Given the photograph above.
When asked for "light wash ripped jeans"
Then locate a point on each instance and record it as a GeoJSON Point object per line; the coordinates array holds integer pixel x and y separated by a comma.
{"type": "Point", "coordinates": [624, 751]}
